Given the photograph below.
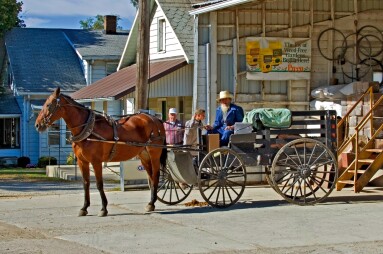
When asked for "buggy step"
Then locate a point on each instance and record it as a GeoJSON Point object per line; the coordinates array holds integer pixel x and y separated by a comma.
{"type": "Point", "coordinates": [346, 181]}
{"type": "Point", "coordinates": [369, 161]}
{"type": "Point", "coordinates": [374, 150]}
{"type": "Point", "coordinates": [359, 171]}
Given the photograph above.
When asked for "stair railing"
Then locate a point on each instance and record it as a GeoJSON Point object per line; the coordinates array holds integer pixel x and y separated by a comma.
{"type": "Point", "coordinates": [367, 118]}
{"type": "Point", "coordinates": [345, 119]}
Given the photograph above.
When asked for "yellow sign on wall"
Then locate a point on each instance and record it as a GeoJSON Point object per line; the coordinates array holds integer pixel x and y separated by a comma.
{"type": "Point", "coordinates": [278, 58]}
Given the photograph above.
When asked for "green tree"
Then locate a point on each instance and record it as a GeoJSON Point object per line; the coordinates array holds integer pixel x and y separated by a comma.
{"type": "Point", "coordinates": [9, 15]}
{"type": "Point", "coordinates": [96, 23]}
{"type": "Point", "coordinates": [135, 3]}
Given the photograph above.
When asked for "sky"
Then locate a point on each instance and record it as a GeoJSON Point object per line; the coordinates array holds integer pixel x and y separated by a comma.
{"type": "Point", "coordinates": [68, 13]}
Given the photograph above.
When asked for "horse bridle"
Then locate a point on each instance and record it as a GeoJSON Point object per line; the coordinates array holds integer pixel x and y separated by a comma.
{"type": "Point", "coordinates": [52, 108]}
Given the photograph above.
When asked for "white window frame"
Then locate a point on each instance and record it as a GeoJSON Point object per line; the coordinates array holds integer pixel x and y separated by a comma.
{"type": "Point", "coordinates": [161, 35]}
{"type": "Point", "coordinates": [63, 133]}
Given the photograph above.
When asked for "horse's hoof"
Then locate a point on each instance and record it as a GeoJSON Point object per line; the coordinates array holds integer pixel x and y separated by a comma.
{"type": "Point", "coordinates": [102, 213]}
{"type": "Point", "coordinates": [82, 213]}
{"type": "Point", "coordinates": [149, 208]}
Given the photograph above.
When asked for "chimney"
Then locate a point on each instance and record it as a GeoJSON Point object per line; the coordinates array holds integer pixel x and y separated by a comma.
{"type": "Point", "coordinates": [110, 24]}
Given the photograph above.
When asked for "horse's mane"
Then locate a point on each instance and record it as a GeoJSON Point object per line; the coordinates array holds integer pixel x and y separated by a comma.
{"type": "Point", "coordinates": [67, 97]}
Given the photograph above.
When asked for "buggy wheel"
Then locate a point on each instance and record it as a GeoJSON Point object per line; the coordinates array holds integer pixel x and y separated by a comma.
{"type": "Point", "coordinates": [268, 177]}
{"type": "Point", "coordinates": [222, 177]}
{"type": "Point", "coordinates": [169, 191]}
{"type": "Point", "coordinates": [304, 171]}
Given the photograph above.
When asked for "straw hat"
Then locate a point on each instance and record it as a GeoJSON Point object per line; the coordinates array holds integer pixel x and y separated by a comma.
{"type": "Point", "coordinates": [172, 111]}
{"type": "Point", "coordinates": [224, 95]}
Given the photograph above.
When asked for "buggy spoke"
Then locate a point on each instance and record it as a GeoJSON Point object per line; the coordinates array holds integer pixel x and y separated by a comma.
{"type": "Point", "coordinates": [299, 158]}
{"type": "Point", "coordinates": [288, 156]}
{"type": "Point", "coordinates": [228, 193]}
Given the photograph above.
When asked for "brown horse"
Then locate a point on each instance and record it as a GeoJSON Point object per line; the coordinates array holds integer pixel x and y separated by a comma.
{"type": "Point", "coordinates": [144, 130]}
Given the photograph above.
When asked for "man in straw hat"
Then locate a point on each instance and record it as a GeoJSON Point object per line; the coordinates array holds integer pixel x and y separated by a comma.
{"type": "Point", "coordinates": [227, 115]}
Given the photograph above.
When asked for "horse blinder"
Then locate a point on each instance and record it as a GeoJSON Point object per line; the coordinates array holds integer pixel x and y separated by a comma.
{"type": "Point", "coordinates": [51, 108]}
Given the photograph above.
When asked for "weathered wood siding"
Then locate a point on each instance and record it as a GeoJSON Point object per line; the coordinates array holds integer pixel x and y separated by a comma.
{"type": "Point", "coordinates": [295, 19]}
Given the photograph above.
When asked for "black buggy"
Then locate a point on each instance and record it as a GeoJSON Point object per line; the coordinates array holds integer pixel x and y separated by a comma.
{"type": "Point", "coordinates": [299, 162]}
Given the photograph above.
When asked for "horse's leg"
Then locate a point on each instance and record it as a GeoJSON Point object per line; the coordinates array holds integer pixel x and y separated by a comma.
{"type": "Point", "coordinates": [100, 186]}
{"type": "Point", "coordinates": [150, 158]}
{"type": "Point", "coordinates": [84, 166]}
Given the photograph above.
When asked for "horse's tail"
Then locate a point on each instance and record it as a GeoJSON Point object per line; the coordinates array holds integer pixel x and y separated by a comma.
{"type": "Point", "coordinates": [164, 155]}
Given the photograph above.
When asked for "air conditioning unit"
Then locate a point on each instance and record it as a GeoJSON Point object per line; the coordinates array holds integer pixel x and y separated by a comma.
{"type": "Point", "coordinates": [134, 173]}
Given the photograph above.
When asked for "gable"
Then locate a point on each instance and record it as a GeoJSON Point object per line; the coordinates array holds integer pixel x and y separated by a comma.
{"type": "Point", "coordinates": [172, 46]}
{"type": "Point", "coordinates": [180, 27]}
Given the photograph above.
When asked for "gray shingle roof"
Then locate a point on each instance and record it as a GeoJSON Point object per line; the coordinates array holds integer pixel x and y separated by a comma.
{"type": "Point", "coordinates": [9, 105]}
{"type": "Point", "coordinates": [96, 44]}
{"type": "Point", "coordinates": [43, 59]}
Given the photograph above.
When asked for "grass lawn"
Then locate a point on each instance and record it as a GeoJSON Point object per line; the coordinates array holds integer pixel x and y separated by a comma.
{"type": "Point", "coordinates": [26, 175]}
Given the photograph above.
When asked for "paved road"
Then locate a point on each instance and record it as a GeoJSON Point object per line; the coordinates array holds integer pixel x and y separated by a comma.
{"type": "Point", "coordinates": [260, 223]}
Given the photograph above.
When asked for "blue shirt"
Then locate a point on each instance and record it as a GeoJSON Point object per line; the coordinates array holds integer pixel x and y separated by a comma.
{"type": "Point", "coordinates": [234, 114]}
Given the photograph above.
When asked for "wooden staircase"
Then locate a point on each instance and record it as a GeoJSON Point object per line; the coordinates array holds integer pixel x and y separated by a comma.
{"type": "Point", "coordinates": [368, 160]}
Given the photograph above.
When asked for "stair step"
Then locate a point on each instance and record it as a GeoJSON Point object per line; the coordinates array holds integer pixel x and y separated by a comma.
{"type": "Point", "coordinates": [366, 160]}
{"type": "Point", "coordinates": [346, 181]}
{"type": "Point", "coordinates": [359, 171]}
{"type": "Point", "coordinates": [374, 150]}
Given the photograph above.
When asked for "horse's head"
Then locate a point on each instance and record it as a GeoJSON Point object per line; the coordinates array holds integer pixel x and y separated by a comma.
{"type": "Point", "coordinates": [50, 111]}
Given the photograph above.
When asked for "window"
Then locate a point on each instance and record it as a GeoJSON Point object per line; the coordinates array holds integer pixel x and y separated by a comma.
{"type": "Point", "coordinates": [161, 35]}
{"type": "Point", "coordinates": [111, 68]}
{"type": "Point", "coordinates": [54, 134]}
{"type": "Point", "coordinates": [10, 133]}
{"type": "Point", "coordinates": [58, 134]}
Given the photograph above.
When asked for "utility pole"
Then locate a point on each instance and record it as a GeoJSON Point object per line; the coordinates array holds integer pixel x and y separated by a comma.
{"type": "Point", "coordinates": [141, 94]}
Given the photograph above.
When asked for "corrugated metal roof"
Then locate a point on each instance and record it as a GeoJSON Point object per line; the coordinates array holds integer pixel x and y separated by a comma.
{"type": "Point", "coordinates": [217, 5]}
{"type": "Point", "coordinates": [123, 81]}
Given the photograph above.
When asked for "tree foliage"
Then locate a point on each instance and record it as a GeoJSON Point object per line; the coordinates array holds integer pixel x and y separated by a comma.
{"type": "Point", "coordinates": [95, 23]}
{"type": "Point", "coordinates": [9, 15]}
{"type": "Point", "coordinates": [135, 3]}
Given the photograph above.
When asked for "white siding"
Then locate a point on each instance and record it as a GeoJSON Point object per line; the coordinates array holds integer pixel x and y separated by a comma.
{"type": "Point", "coordinates": [177, 83]}
{"type": "Point", "coordinates": [98, 70]}
{"type": "Point", "coordinates": [172, 45]}
{"type": "Point", "coordinates": [114, 108]}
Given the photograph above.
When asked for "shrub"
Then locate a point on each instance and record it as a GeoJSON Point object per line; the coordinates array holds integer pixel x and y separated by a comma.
{"type": "Point", "coordinates": [23, 161]}
{"type": "Point", "coordinates": [46, 160]}
{"type": "Point", "coordinates": [70, 159]}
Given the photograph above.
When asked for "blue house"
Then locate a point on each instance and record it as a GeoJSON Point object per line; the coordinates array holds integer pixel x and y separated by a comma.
{"type": "Point", "coordinates": [37, 61]}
